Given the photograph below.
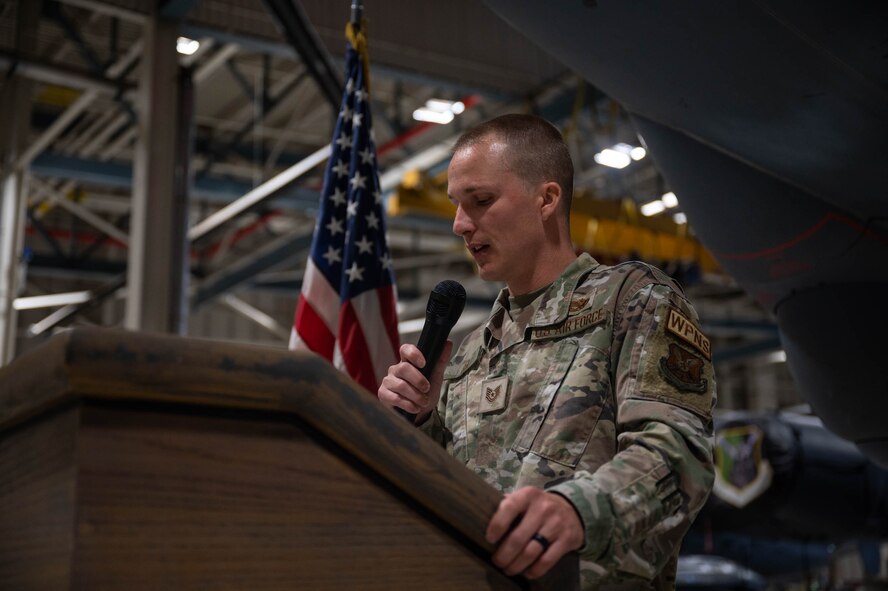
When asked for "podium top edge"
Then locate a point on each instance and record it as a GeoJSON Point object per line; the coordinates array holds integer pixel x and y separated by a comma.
{"type": "Point", "coordinates": [122, 365]}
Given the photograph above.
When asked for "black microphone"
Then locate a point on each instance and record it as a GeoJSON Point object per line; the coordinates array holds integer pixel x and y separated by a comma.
{"type": "Point", "coordinates": [446, 303]}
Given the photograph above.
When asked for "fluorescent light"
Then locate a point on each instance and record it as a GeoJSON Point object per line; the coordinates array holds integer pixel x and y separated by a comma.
{"type": "Point", "coordinates": [613, 158]}
{"type": "Point", "coordinates": [679, 218]}
{"type": "Point", "coordinates": [186, 46]}
{"type": "Point", "coordinates": [51, 300]}
{"type": "Point", "coordinates": [438, 105]}
{"type": "Point", "coordinates": [652, 208]}
{"type": "Point", "coordinates": [424, 114]}
{"type": "Point", "coordinates": [637, 153]}
{"type": "Point", "coordinates": [669, 199]}
{"type": "Point", "coordinates": [621, 147]}
{"type": "Point", "coordinates": [439, 111]}
{"type": "Point", "coordinates": [776, 357]}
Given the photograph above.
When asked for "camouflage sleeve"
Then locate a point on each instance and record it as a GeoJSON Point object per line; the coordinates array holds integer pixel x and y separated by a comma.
{"type": "Point", "coordinates": [433, 426]}
{"type": "Point", "coordinates": [637, 507]}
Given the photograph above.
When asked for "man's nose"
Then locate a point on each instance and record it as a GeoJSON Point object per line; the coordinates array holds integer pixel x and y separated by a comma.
{"type": "Point", "coordinates": [462, 225]}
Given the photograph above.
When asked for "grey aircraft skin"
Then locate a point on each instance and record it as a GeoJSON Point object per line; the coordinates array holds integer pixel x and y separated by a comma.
{"type": "Point", "coordinates": [769, 119]}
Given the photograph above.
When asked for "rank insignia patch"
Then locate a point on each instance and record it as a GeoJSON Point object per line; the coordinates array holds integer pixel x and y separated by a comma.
{"type": "Point", "coordinates": [577, 305]}
{"type": "Point", "coordinates": [683, 369]}
{"type": "Point", "coordinates": [493, 394]}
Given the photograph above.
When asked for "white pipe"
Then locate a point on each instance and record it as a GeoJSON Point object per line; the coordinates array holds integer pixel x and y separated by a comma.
{"type": "Point", "coordinates": [258, 194]}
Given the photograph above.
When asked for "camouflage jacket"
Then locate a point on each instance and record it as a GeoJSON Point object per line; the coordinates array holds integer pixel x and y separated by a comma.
{"type": "Point", "coordinates": [600, 390]}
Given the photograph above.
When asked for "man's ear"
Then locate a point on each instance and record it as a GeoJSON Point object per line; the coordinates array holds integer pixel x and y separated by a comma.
{"type": "Point", "coordinates": [551, 202]}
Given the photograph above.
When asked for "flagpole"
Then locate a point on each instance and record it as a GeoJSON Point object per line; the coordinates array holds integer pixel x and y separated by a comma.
{"type": "Point", "coordinates": [357, 12]}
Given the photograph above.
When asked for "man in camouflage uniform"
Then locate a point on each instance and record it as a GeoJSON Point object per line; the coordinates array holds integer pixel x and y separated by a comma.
{"type": "Point", "coordinates": [586, 397]}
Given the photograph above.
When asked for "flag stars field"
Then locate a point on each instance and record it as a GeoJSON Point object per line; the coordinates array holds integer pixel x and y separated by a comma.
{"type": "Point", "coordinates": [364, 246]}
{"type": "Point", "coordinates": [338, 197]}
{"type": "Point", "coordinates": [372, 221]}
{"type": "Point", "coordinates": [335, 226]}
{"type": "Point", "coordinates": [355, 273]}
{"type": "Point", "coordinates": [333, 256]}
{"type": "Point", "coordinates": [341, 169]}
{"type": "Point", "coordinates": [358, 181]}
{"type": "Point", "coordinates": [346, 310]}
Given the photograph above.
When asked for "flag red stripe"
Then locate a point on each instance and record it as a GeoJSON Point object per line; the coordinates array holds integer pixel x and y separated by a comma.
{"type": "Point", "coordinates": [354, 349]}
{"type": "Point", "coordinates": [387, 301]}
{"type": "Point", "coordinates": [313, 330]}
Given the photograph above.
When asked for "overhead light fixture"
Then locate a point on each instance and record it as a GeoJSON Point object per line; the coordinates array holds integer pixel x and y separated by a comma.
{"type": "Point", "coordinates": [613, 158]}
{"type": "Point", "coordinates": [652, 208]}
{"type": "Point", "coordinates": [620, 155]}
{"type": "Point", "coordinates": [776, 357]}
{"type": "Point", "coordinates": [52, 300]}
{"type": "Point", "coordinates": [187, 46]}
{"type": "Point", "coordinates": [679, 218]}
{"type": "Point", "coordinates": [669, 199]}
{"type": "Point", "coordinates": [423, 114]}
{"type": "Point", "coordinates": [634, 152]}
{"type": "Point", "coordinates": [439, 111]}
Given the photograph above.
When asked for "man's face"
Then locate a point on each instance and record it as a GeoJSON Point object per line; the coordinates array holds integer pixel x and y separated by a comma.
{"type": "Point", "coordinates": [497, 215]}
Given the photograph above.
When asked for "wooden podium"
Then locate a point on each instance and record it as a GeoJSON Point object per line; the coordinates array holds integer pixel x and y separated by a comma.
{"type": "Point", "coordinates": [131, 461]}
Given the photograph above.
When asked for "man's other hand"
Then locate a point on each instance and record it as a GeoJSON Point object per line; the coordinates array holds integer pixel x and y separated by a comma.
{"type": "Point", "coordinates": [544, 514]}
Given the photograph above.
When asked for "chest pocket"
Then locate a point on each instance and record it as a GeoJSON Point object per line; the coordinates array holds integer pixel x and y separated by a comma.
{"type": "Point", "coordinates": [570, 405]}
{"type": "Point", "coordinates": [456, 413]}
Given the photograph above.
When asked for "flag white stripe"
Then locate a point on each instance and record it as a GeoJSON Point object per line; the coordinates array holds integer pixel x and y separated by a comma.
{"type": "Point", "coordinates": [321, 295]}
{"type": "Point", "coordinates": [369, 314]}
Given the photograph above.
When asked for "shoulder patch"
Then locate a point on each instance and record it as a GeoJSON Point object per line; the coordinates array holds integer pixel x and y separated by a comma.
{"type": "Point", "coordinates": [681, 326]}
{"type": "Point", "coordinates": [683, 369]}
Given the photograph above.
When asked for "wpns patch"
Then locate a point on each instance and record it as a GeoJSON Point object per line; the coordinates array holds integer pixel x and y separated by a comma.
{"type": "Point", "coordinates": [741, 474]}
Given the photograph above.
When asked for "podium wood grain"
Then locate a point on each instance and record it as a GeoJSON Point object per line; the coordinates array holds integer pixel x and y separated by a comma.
{"type": "Point", "coordinates": [134, 461]}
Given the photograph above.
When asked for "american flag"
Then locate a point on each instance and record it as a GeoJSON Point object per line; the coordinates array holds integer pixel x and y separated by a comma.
{"type": "Point", "coordinates": [346, 310]}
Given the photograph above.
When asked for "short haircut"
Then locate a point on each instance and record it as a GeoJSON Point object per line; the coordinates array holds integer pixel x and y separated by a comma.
{"type": "Point", "coordinates": [536, 151]}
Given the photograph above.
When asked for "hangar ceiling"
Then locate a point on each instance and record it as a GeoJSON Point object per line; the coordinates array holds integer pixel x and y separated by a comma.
{"type": "Point", "coordinates": [260, 106]}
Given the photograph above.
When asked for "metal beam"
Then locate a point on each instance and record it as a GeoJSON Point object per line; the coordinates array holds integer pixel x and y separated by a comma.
{"type": "Point", "coordinates": [235, 274]}
{"type": "Point", "coordinates": [112, 174]}
{"type": "Point", "coordinates": [15, 117]}
{"type": "Point", "coordinates": [80, 211]}
{"type": "Point", "coordinates": [57, 12]}
{"type": "Point", "coordinates": [154, 278]}
{"type": "Point", "coordinates": [256, 315]}
{"type": "Point", "coordinates": [99, 7]}
{"type": "Point", "coordinates": [301, 35]}
{"type": "Point", "coordinates": [97, 296]}
{"type": "Point", "coordinates": [49, 73]}
{"type": "Point", "coordinates": [276, 48]}
{"type": "Point", "coordinates": [267, 106]}
{"type": "Point", "coordinates": [257, 195]}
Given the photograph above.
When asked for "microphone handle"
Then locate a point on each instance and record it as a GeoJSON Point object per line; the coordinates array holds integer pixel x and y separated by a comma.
{"type": "Point", "coordinates": [431, 343]}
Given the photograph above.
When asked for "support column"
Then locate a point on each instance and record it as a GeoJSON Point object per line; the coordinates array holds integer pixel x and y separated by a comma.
{"type": "Point", "coordinates": [15, 117]}
{"type": "Point", "coordinates": [157, 255]}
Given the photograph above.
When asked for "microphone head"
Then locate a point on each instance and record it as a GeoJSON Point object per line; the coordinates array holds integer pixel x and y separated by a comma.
{"type": "Point", "coordinates": [446, 302]}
